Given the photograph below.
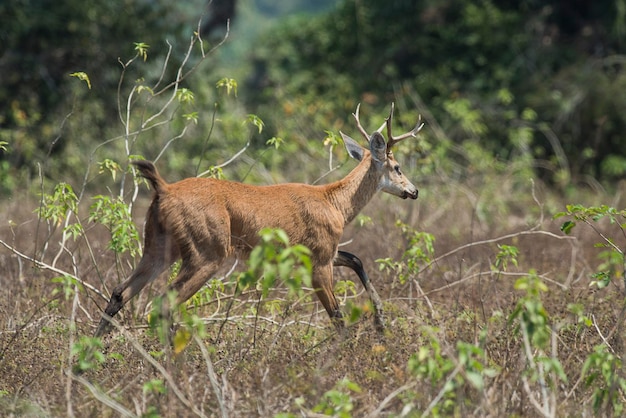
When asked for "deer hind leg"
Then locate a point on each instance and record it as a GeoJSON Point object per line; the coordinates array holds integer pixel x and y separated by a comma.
{"type": "Point", "coordinates": [191, 281]}
{"type": "Point", "coordinates": [159, 253]}
{"type": "Point", "coordinates": [186, 284]}
{"type": "Point", "coordinates": [148, 269]}
{"type": "Point", "coordinates": [346, 259]}
{"type": "Point", "coordinates": [323, 284]}
{"type": "Point", "coordinates": [202, 255]}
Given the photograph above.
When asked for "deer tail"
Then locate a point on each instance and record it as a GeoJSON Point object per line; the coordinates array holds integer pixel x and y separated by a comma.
{"type": "Point", "coordinates": [150, 173]}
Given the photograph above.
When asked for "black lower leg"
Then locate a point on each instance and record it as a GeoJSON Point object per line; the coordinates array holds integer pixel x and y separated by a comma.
{"type": "Point", "coordinates": [114, 306]}
{"type": "Point", "coordinates": [337, 319]}
{"type": "Point", "coordinates": [346, 259]}
{"type": "Point", "coordinates": [350, 260]}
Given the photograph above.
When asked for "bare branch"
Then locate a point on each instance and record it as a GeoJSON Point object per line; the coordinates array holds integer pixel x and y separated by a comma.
{"type": "Point", "coordinates": [212, 376]}
{"type": "Point", "coordinates": [491, 241]}
{"type": "Point", "coordinates": [377, 412]}
{"type": "Point", "coordinates": [230, 160]}
{"type": "Point", "coordinates": [45, 266]}
{"type": "Point", "coordinates": [103, 397]}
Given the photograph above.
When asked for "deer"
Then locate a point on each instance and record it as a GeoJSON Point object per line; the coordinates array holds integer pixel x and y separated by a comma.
{"type": "Point", "coordinates": [204, 221]}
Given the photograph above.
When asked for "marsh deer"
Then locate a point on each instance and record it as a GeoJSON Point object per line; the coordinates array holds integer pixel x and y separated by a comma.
{"type": "Point", "coordinates": [204, 221]}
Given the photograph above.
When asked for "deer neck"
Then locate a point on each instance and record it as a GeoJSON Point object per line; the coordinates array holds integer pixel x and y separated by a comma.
{"type": "Point", "coordinates": [350, 194]}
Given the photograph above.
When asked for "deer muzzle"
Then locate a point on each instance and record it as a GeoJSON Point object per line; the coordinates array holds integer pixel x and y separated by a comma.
{"type": "Point", "coordinates": [412, 194]}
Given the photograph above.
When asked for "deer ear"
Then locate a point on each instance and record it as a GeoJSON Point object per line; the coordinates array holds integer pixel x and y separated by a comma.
{"type": "Point", "coordinates": [378, 147]}
{"type": "Point", "coordinates": [353, 148]}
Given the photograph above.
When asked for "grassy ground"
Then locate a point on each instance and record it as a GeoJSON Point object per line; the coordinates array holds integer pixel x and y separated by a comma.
{"type": "Point", "coordinates": [456, 343]}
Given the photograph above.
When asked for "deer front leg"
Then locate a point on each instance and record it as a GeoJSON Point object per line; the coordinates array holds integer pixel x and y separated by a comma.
{"type": "Point", "coordinates": [346, 259]}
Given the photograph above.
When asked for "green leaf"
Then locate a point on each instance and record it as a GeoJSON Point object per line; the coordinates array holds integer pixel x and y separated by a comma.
{"type": "Point", "coordinates": [88, 351]}
{"type": "Point", "coordinates": [154, 386]}
{"type": "Point", "coordinates": [109, 165]}
{"type": "Point", "coordinates": [275, 141]}
{"type": "Point", "coordinates": [568, 226]}
{"type": "Point", "coordinates": [180, 340]}
{"type": "Point", "coordinates": [185, 96]}
{"type": "Point", "coordinates": [81, 75]}
{"type": "Point", "coordinates": [75, 230]}
{"type": "Point", "coordinates": [230, 84]}
{"type": "Point", "coordinates": [256, 121]}
{"type": "Point", "coordinates": [142, 50]}
{"type": "Point", "coordinates": [146, 88]}
{"type": "Point", "coordinates": [58, 206]}
{"type": "Point", "coordinates": [602, 279]}
{"type": "Point", "coordinates": [475, 379]}
{"type": "Point", "coordinates": [193, 116]}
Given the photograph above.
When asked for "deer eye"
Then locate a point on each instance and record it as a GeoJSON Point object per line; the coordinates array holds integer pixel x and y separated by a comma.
{"type": "Point", "coordinates": [397, 168]}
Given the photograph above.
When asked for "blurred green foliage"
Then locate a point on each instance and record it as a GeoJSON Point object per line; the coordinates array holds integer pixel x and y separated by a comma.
{"type": "Point", "coordinates": [49, 117]}
{"type": "Point", "coordinates": [529, 79]}
{"type": "Point", "coordinates": [528, 84]}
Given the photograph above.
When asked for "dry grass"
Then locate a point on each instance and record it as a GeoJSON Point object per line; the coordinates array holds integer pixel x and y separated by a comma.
{"type": "Point", "coordinates": [273, 357]}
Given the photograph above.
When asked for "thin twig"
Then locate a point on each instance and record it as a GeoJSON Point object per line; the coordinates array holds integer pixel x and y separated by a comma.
{"type": "Point", "coordinates": [532, 398]}
{"type": "Point", "coordinates": [168, 143]}
{"type": "Point", "coordinates": [376, 413]}
{"type": "Point", "coordinates": [430, 305]}
{"type": "Point", "coordinates": [212, 376]}
{"type": "Point", "coordinates": [208, 137]}
{"type": "Point", "coordinates": [230, 160]}
{"type": "Point", "coordinates": [103, 397]}
{"type": "Point", "coordinates": [604, 237]}
{"type": "Point", "coordinates": [72, 327]}
{"type": "Point", "coordinates": [443, 391]}
{"type": "Point", "coordinates": [503, 273]}
{"type": "Point", "coordinates": [491, 241]}
{"type": "Point", "coordinates": [595, 324]}
{"type": "Point", "coordinates": [41, 264]}
{"type": "Point", "coordinates": [538, 369]}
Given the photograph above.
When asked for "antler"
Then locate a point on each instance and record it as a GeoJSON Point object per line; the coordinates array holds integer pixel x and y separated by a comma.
{"type": "Point", "coordinates": [360, 127]}
{"type": "Point", "coordinates": [358, 123]}
{"type": "Point", "coordinates": [392, 140]}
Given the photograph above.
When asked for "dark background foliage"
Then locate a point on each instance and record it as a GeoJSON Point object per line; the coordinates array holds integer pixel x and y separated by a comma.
{"type": "Point", "coordinates": [560, 59]}
{"type": "Point", "coordinates": [478, 66]}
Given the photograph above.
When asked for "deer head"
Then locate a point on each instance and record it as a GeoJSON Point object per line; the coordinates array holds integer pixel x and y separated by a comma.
{"type": "Point", "coordinates": [392, 180]}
